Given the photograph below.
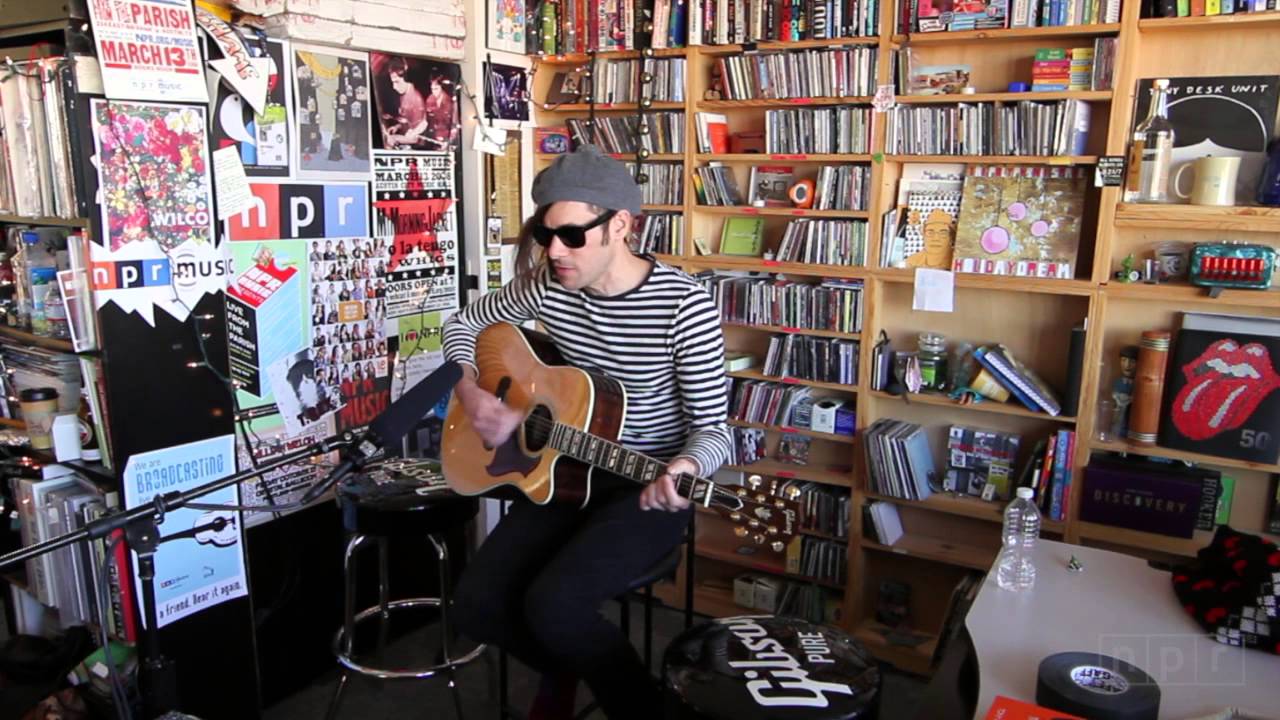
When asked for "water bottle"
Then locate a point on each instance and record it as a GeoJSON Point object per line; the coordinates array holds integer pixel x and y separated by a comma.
{"type": "Point", "coordinates": [1015, 568]}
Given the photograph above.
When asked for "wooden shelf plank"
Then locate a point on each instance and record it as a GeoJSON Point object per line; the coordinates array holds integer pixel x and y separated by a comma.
{"type": "Point", "coordinates": [37, 340]}
{"type": "Point", "coordinates": [1008, 34]}
{"type": "Point", "coordinates": [829, 437]}
{"type": "Point", "coordinates": [998, 159]}
{"type": "Point", "coordinates": [729, 557]}
{"type": "Point", "coordinates": [1207, 23]}
{"type": "Point", "coordinates": [756, 374]}
{"type": "Point", "coordinates": [795, 330]}
{"type": "Point", "coordinates": [626, 157]}
{"type": "Point", "coordinates": [783, 157]}
{"type": "Point", "coordinates": [1183, 293]}
{"type": "Point", "coordinates": [609, 107]}
{"type": "Point", "coordinates": [60, 222]}
{"type": "Point", "coordinates": [987, 406]}
{"type": "Point", "coordinates": [781, 102]}
{"type": "Point", "coordinates": [997, 282]}
{"type": "Point", "coordinates": [663, 208]}
{"type": "Point", "coordinates": [668, 259]}
{"type": "Point", "coordinates": [773, 468]}
{"type": "Point", "coordinates": [583, 58]}
{"type": "Point", "coordinates": [1198, 217]}
{"type": "Point", "coordinates": [795, 45]}
{"type": "Point", "coordinates": [1182, 455]}
{"type": "Point", "coordinates": [938, 550]}
{"type": "Point", "coordinates": [916, 659]}
{"type": "Point", "coordinates": [1007, 97]}
{"type": "Point", "coordinates": [966, 506]}
{"type": "Point", "coordinates": [779, 211]}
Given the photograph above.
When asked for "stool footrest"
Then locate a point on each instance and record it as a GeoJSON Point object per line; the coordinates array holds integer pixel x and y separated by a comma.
{"type": "Point", "coordinates": [403, 673]}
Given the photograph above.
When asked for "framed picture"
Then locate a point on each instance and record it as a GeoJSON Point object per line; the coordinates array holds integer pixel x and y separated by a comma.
{"type": "Point", "coordinates": [417, 103]}
{"type": "Point", "coordinates": [506, 25]}
{"type": "Point", "coordinates": [331, 113]}
{"type": "Point", "coordinates": [507, 93]}
{"type": "Point", "coordinates": [503, 185]}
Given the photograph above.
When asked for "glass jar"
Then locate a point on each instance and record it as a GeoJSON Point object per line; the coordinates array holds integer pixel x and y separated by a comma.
{"type": "Point", "coordinates": [933, 360]}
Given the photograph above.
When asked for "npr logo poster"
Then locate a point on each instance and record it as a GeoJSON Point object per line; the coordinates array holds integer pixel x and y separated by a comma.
{"type": "Point", "coordinates": [293, 211]}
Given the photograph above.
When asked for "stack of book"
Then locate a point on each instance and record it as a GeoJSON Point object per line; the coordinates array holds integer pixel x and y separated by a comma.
{"type": "Point", "coordinates": [1018, 379]}
{"type": "Point", "coordinates": [835, 304]}
{"type": "Point", "coordinates": [934, 16]}
{"type": "Point", "coordinates": [770, 403]}
{"type": "Point", "coordinates": [830, 360]}
{"type": "Point", "coordinates": [37, 166]}
{"type": "Point", "coordinates": [843, 187]}
{"type": "Point", "coordinates": [615, 134]}
{"type": "Point", "coordinates": [713, 132]}
{"type": "Point", "coordinates": [824, 242]}
{"type": "Point", "coordinates": [810, 602]}
{"type": "Point", "coordinates": [1057, 69]}
{"type": "Point", "coordinates": [618, 81]}
{"type": "Point", "coordinates": [715, 185]}
{"type": "Point", "coordinates": [886, 523]}
{"type": "Point", "coordinates": [844, 130]}
{"type": "Point", "coordinates": [899, 461]}
{"type": "Point", "coordinates": [665, 184]}
{"type": "Point", "coordinates": [1049, 473]}
{"type": "Point", "coordinates": [823, 509]}
{"type": "Point", "coordinates": [1028, 128]}
{"type": "Point", "coordinates": [832, 72]}
{"type": "Point", "coordinates": [725, 22]}
{"type": "Point", "coordinates": [1202, 8]}
{"type": "Point", "coordinates": [660, 233]}
{"type": "Point", "coordinates": [817, 558]}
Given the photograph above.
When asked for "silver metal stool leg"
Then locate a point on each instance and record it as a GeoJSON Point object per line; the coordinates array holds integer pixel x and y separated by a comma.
{"type": "Point", "coordinates": [384, 595]}
{"type": "Point", "coordinates": [348, 617]}
{"type": "Point", "coordinates": [446, 630]}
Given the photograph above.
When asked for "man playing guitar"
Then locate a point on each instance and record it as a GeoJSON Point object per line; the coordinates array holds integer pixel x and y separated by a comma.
{"type": "Point", "coordinates": [537, 584]}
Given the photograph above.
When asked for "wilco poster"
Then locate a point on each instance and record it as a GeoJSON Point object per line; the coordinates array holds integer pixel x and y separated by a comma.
{"type": "Point", "coordinates": [147, 50]}
{"type": "Point", "coordinates": [414, 212]}
{"type": "Point", "coordinates": [156, 207]}
{"type": "Point", "coordinates": [207, 568]}
{"type": "Point", "coordinates": [262, 140]}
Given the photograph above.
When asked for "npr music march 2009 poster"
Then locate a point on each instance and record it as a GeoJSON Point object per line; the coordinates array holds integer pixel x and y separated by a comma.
{"type": "Point", "coordinates": [147, 50]}
{"type": "Point", "coordinates": [414, 212]}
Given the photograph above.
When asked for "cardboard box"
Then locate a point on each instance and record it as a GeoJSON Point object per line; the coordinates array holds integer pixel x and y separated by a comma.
{"type": "Point", "coordinates": [744, 590]}
{"type": "Point", "coordinates": [767, 591]}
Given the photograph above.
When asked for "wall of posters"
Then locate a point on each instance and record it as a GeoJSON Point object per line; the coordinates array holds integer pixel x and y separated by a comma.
{"type": "Point", "coordinates": [158, 248]}
{"type": "Point", "coordinates": [191, 573]}
{"type": "Point", "coordinates": [414, 213]}
{"type": "Point", "coordinates": [331, 102]}
{"type": "Point", "coordinates": [147, 50]}
{"type": "Point", "coordinates": [417, 103]}
{"type": "Point", "coordinates": [262, 140]}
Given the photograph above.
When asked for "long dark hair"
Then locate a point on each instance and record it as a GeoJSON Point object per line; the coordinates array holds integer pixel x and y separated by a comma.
{"type": "Point", "coordinates": [530, 256]}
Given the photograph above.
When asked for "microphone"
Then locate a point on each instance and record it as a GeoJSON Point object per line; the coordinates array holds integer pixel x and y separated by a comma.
{"type": "Point", "coordinates": [392, 424]}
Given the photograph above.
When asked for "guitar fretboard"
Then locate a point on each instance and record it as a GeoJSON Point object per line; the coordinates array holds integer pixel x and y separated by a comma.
{"type": "Point", "coordinates": [638, 467]}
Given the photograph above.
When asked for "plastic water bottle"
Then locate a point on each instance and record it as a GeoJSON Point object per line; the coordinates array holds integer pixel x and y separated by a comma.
{"type": "Point", "coordinates": [1015, 568]}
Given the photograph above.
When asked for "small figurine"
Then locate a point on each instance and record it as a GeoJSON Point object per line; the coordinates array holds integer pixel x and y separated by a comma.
{"type": "Point", "coordinates": [1074, 565]}
{"type": "Point", "coordinates": [1128, 273]}
{"type": "Point", "coordinates": [1122, 391]}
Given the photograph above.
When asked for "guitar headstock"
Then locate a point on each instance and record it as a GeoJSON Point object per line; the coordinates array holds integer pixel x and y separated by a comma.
{"type": "Point", "coordinates": [764, 513]}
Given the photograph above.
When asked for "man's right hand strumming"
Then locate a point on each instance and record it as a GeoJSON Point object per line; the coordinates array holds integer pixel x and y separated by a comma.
{"type": "Point", "coordinates": [492, 419]}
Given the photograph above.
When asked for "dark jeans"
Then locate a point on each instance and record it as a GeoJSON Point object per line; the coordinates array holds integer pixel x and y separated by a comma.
{"type": "Point", "coordinates": [537, 584]}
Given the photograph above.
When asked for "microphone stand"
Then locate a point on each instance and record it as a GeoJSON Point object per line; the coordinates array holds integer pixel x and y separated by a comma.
{"type": "Point", "coordinates": [158, 679]}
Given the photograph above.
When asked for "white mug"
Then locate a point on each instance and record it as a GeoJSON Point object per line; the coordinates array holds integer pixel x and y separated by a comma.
{"type": "Point", "coordinates": [1215, 182]}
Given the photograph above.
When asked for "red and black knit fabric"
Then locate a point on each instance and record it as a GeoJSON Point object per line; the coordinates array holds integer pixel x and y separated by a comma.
{"type": "Point", "coordinates": [1234, 590]}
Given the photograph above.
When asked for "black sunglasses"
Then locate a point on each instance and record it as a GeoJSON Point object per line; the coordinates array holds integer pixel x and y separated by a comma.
{"type": "Point", "coordinates": [573, 236]}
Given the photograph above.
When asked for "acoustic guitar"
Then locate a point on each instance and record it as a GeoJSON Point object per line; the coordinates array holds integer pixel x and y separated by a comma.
{"type": "Point", "coordinates": [572, 421]}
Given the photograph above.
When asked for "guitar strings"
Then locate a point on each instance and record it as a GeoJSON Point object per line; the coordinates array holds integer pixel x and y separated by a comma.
{"type": "Point", "coordinates": [547, 425]}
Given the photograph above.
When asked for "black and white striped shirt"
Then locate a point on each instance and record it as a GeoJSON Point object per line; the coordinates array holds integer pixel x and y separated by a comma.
{"type": "Point", "coordinates": [661, 340]}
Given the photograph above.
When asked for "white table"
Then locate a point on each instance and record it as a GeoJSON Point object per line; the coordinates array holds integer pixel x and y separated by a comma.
{"type": "Point", "coordinates": [1121, 607]}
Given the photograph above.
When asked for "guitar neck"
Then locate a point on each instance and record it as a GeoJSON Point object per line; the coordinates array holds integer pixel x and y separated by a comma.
{"type": "Point", "coordinates": [637, 467]}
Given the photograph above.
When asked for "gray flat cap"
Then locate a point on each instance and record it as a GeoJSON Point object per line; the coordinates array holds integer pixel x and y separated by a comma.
{"type": "Point", "coordinates": [588, 175]}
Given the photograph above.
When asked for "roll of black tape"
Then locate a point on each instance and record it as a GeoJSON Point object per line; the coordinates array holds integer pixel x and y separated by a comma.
{"type": "Point", "coordinates": [1097, 687]}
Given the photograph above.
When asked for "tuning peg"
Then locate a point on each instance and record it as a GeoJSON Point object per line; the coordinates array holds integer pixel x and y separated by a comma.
{"type": "Point", "coordinates": [762, 498]}
{"type": "Point", "coordinates": [773, 530]}
{"type": "Point", "coordinates": [780, 504]}
{"type": "Point", "coordinates": [758, 538]}
{"type": "Point", "coordinates": [754, 482]}
{"type": "Point", "coordinates": [793, 493]}
{"type": "Point", "coordinates": [753, 524]}
{"type": "Point", "coordinates": [773, 487]}
{"type": "Point", "coordinates": [741, 492]}
{"type": "Point", "coordinates": [778, 546]}
{"type": "Point", "coordinates": [735, 516]}
{"type": "Point", "coordinates": [740, 531]}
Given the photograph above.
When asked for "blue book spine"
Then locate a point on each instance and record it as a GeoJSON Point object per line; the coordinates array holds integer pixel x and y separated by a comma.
{"type": "Point", "coordinates": [991, 364]}
{"type": "Point", "coordinates": [1060, 462]}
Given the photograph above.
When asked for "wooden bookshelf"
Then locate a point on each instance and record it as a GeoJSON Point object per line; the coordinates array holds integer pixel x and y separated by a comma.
{"type": "Point", "coordinates": [756, 562]}
{"type": "Point", "coordinates": [828, 437]}
{"type": "Point", "coordinates": [737, 262]}
{"type": "Point", "coordinates": [781, 212]}
{"type": "Point", "coordinates": [767, 158]}
{"type": "Point", "coordinates": [610, 107]}
{"type": "Point", "coordinates": [796, 331]}
{"type": "Point", "coordinates": [1183, 294]}
{"type": "Point", "coordinates": [1181, 455]}
{"type": "Point", "coordinates": [1005, 97]}
{"type": "Point", "coordinates": [916, 659]}
{"type": "Point", "coordinates": [772, 103]}
{"type": "Point", "coordinates": [1209, 23]}
{"type": "Point", "coordinates": [662, 208]}
{"type": "Point", "coordinates": [1009, 283]}
{"type": "Point", "coordinates": [998, 159]}
{"type": "Point", "coordinates": [584, 58]}
{"type": "Point", "coordinates": [1241, 218]}
{"type": "Point", "coordinates": [625, 157]}
{"type": "Point", "coordinates": [963, 505]}
{"type": "Point", "coordinates": [60, 222]}
{"type": "Point", "coordinates": [42, 341]}
{"type": "Point", "coordinates": [789, 471]}
{"type": "Point", "coordinates": [938, 550]}
{"type": "Point", "coordinates": [1008, 35]}
{"type": "Point", "coordinates": [716, 50]}
{"type": "Point", "coordinates": [987, 406]}
{"type": "Point", "coordinates": [757, 375]}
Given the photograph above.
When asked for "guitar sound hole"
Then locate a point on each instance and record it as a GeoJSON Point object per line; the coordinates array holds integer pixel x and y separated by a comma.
{"type": "Point", "coordinates": [537, 428]}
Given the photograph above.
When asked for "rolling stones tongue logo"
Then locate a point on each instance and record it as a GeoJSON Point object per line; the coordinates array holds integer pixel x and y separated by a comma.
{"type": "Point", "coordinates": [1224, 386]}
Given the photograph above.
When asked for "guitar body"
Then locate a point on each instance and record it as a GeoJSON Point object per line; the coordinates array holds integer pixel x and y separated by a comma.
{"type": "Point", "coordinates": [524, 369]}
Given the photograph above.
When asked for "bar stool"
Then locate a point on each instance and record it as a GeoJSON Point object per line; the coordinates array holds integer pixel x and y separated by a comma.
{"type": "Point", "coordinates": [398, 499]}
{"type": "Point", "coordinates": [763, 668]}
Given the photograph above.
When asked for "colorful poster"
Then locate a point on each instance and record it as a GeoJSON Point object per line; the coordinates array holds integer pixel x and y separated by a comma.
{"type": "Point", "coordinates": [506, 26]}
{"type": "Point", "coordinates": [416, 347]}
{"type": "Point", "coordinates": [283, 485]}
{"type": "Point", "coordinates": [267, 306]}
{"type": "Point", "coordinates": [301, 398]}
{"type": "Point", "coordinates": [206, 567]}
{"type": "Point", "coordinates": [302, 211]}
{"type": "Point", "coordinates": [155, 201]}
{"type": "Point", "coordinates": [507, 93]}
{"type": "Point", "coordinates": [348, 335]}
{"type": "Point", "coordinates": [331, 113]}
{"type": "Point", "coordinates": [417, 103]}
{"type": "Point", "coordinates": [147, 50]}
{"type": "Point", "coordinates": [262, 140]}
{"type": "Point", "coordinates": [414, 212]}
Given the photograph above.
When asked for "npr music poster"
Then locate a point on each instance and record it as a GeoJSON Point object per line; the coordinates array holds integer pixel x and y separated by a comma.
{"type": "Point", "coordinates": [147, 50]}
{"type": "Point", "coordinates": [414, 213]}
